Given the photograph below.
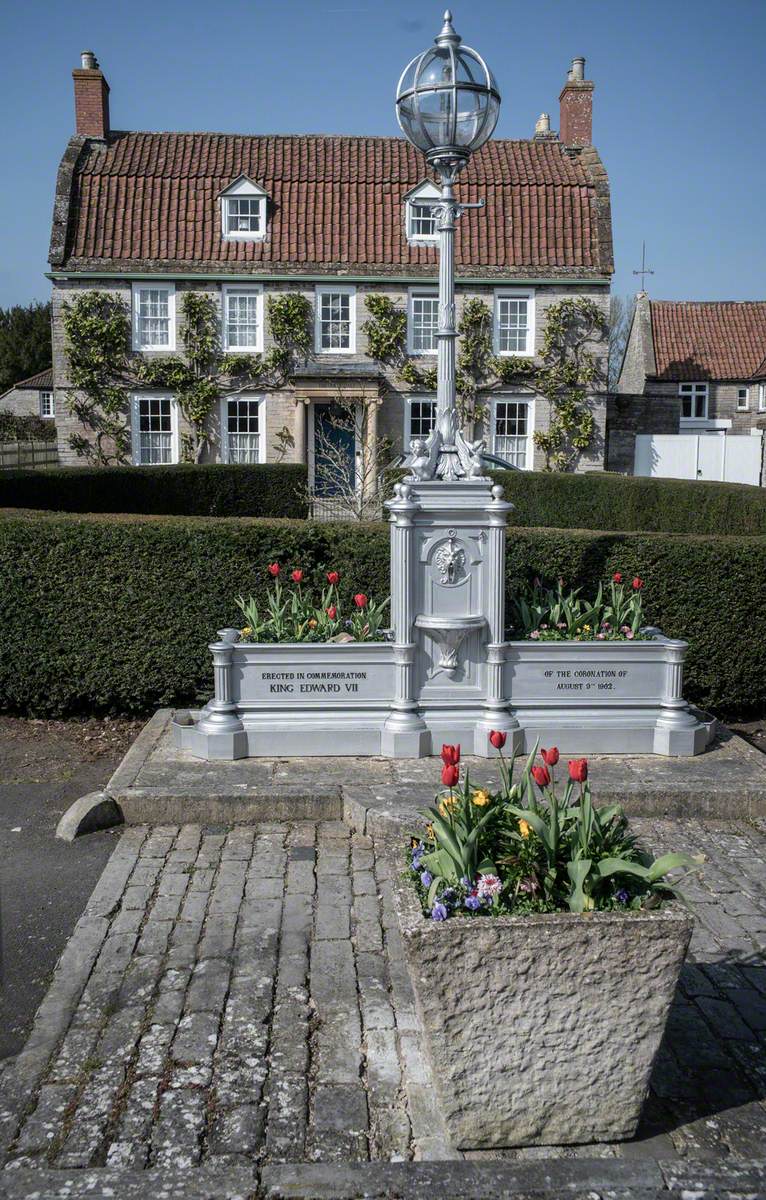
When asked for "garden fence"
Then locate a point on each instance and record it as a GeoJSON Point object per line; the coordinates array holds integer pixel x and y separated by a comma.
{"type": "Point", "coordinates": [27, 455]}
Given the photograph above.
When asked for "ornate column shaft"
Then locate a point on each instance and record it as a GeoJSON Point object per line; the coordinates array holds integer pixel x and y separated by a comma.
{"type": "Point", "coordinates": [404, 717]}
{"type": "Point", "coordinates": [299, 430]}
{"type": "Point", "coordinates": [221, 715]}
{"type": "Point", "coordinates": [446, 414]}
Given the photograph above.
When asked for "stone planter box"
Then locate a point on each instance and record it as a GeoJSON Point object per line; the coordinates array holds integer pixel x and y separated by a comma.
{"type": "Point", "coordinates": [604, 697]}
{"type": "Point", "coordinates": [542, 1030]}
{"type": "Point", "coordinates": [293, 698]}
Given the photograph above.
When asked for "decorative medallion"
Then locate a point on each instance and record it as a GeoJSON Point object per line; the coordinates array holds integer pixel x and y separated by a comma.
{"type": "Point", "coordinates": [449, 561]}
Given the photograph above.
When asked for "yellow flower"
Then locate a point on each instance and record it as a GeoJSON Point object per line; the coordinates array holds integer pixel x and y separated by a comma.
{"type": "Point", "coordinates": [587, 628]}
{"type": "Point", "coordinates": [480, 798]}
{"type": "Point", "coordinates": [448, 803]}
{"type": "Point", "coordinates": [430, 831]}
{"type": "Point", "coordinates": [246, 631]}
{"type": "Point", "coordinates": [524, 828]}
{"type": "Point", "coordinates": [312, 624]}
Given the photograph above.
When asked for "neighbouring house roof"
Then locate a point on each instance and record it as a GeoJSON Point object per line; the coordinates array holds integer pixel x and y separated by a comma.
{"type": "Point", "coordinates": [695, 340]}
{"type": "Point", "coordinates": [150, 201]}
{"type": "Point", "coordinates": [42, 381]}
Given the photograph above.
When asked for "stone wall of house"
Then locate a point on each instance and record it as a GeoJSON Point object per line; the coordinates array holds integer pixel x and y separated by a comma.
{"type": "Point", "coordinates": [22, 402]}
{"type": "Point", "coordinates": [722, 402]}
{"type": "Point", "coordinates": [627, 416]}
{"type": "Point", "coordinates": [279, 410]}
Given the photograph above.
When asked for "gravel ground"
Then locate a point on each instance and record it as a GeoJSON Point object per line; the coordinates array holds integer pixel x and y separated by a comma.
{"type": "Point", "coordinates": [45, 883]}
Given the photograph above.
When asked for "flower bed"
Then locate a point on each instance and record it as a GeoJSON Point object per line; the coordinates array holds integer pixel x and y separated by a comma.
{"type": "Point", "coordinates": [527, 917]}
{"type": "Point", "coordinates": [548, 614]}
{"type": "Point", "coordinates": [294, 614]}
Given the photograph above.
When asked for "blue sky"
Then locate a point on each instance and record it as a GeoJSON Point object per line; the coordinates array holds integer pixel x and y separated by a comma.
{"type": "Point", "coordinates": [679, 110]}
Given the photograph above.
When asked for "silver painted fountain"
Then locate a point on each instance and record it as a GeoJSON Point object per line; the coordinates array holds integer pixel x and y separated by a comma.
{"type": "Point", "coordinates": [449, 675]}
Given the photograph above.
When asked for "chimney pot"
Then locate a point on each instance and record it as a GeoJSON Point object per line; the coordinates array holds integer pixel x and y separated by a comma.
{"type": "Point", "coordinates": [578, 69]}
{"type": "Point", "coordinates": [543, 124]}
{"type": "Point", "coordinates": [91, 98]}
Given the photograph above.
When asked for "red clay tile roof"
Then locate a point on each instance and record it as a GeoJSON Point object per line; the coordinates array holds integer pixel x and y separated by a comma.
{"type": "Point", "coordinates": [152, 199]}
{"type": "Point", "coordinates": [708, 339]}
{"type": "Point", "coordinates": [42, 381]}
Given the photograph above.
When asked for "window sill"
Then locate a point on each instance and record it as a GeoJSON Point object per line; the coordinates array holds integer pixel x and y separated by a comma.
{"type": "Point", "coordinates": [243, 237]}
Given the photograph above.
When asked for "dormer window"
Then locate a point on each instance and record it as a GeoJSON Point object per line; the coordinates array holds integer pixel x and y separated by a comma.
{"type": "Point", "coordinates": [421, 216]}
{"type": "Point", "coordinates": [243, 211]}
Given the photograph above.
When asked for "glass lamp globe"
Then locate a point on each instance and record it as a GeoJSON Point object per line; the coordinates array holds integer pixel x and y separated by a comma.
{"type": "Point", "coordinates": [447, 101]}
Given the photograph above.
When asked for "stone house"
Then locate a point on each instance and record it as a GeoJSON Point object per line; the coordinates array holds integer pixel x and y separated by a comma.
{"type": "Point", "coordinates": [693, 367]}
{"type": "Point", "coordinates": [31, 397]}
{"type": "Point", "coordinates": [149, 216]}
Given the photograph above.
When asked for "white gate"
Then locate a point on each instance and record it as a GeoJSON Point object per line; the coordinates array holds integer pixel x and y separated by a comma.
{"type": "Point", "coordinates": [732, 459]}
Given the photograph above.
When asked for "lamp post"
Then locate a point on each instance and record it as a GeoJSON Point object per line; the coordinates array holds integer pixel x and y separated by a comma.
{"type": "Point", "coordinates": [447, 104]}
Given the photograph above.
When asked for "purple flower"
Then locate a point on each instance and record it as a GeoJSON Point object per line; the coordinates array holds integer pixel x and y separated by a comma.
{"type": "Point", "coordinates": [438, 912]}
{"type": "Point", "coordinates": [472, 902]}
{"type": "Point", "coordinates": [426, 879]}
{"type": "Point", "coordinates": [623, 896]}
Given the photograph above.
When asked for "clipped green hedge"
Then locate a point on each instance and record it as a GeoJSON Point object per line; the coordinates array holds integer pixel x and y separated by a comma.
{"type": "Point", "coordinates": [113, 614]}
{"type": "Point", "coordinates": [207, 490]}
{"type": "Point", "coordinates": [604, 501]}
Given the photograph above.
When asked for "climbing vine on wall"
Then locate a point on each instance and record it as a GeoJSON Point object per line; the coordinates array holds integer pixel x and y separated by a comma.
{"type": "Point", "coordinates": [566, 370]}
{"type": "Point", "coordinates": [101, 369]}
{"type": "Point", "coordinates": [97, 345]}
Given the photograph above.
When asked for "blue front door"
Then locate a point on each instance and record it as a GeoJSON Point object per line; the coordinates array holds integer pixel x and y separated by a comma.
{"type": "Point", "coordinates": [334, 446]}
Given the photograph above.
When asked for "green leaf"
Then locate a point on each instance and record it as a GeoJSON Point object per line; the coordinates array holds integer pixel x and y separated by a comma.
{"type": "Point", "coordinates": [669, 862]}
{"type": "Point", "coordinates": [578, 873]}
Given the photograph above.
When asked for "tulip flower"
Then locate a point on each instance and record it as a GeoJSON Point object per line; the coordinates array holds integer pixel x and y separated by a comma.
{"type": "Point", "coordinates": [498, 738]}
{"type": "Point", "coordinates": [637, 584]}
{"type": "Point", "coordinates": [450, 755]}
{"type": "Point", "coordinates": [578, 769]}
{"type": "Point", "coordinates": [297, 576]}
{"type": "Point", "coordinates": [332, 612]}
{"type": "Point", "coordinates": [360, 600]}
{"type": "Point", "coordinates": [450, 775]}
{"type": "Point", "coordinates": [550, 757]}
{"type": "Point", "coordinates": [617, 577]}
{"type": "Point", "coordinates": [541, 776]}
{"type": "Point", "coordinates": [273, 569]}
{"type": "Point", "coordinates": [333, 577]}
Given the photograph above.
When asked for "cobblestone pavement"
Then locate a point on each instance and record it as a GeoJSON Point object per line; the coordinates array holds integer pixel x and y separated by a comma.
{"type": "Point", "coordinates": [238, 997]}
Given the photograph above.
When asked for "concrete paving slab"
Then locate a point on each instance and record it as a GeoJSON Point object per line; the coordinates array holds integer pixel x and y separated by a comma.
{"type": "Point", "coordinates": [157, 782]}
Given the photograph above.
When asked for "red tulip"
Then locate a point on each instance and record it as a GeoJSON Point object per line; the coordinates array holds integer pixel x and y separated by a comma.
{"type": "Point", "coordinates": [637, 584]}
{"type": "Point", "coordinates": [450, 775]}
{"type": "Point", "coordinates": [450, 755]}
{"type": "Point", "coordinates": [332, 612]}
{"type": "Point", "coordinates": [578, 769]}
{"type": "Point", "coordinates": [296, 576]}
{"type": "Point", "coordinates": [550, 757]}
{"type": "Point", "coordinates": [498, 739]}
{"type": "Point", "coordinates": [273, 569]}
{"type": "Point", "coordinates": [360, 600]}
{"type": "Point", "coordinates": [333, 577]}
{"type": "Point", "coordinates": [617, 577]}
{"type": "Point", "coordinates": [541, 776]}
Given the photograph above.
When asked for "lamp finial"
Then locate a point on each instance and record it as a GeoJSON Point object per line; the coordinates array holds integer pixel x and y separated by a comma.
{"type": "Point", "coordinates": [447, 33]}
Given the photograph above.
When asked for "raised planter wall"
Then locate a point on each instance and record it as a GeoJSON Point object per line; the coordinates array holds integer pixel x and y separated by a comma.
{"type": "Point", "coordinates": [603, 697]}
{"type": "Point", "coordinates": [324, 699]}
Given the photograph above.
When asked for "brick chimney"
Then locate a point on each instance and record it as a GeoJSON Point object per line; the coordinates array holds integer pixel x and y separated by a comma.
{"type": "Point", "coordinates": [91, 98]}
{"type": "Point", "coordinates": [576, 100]}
